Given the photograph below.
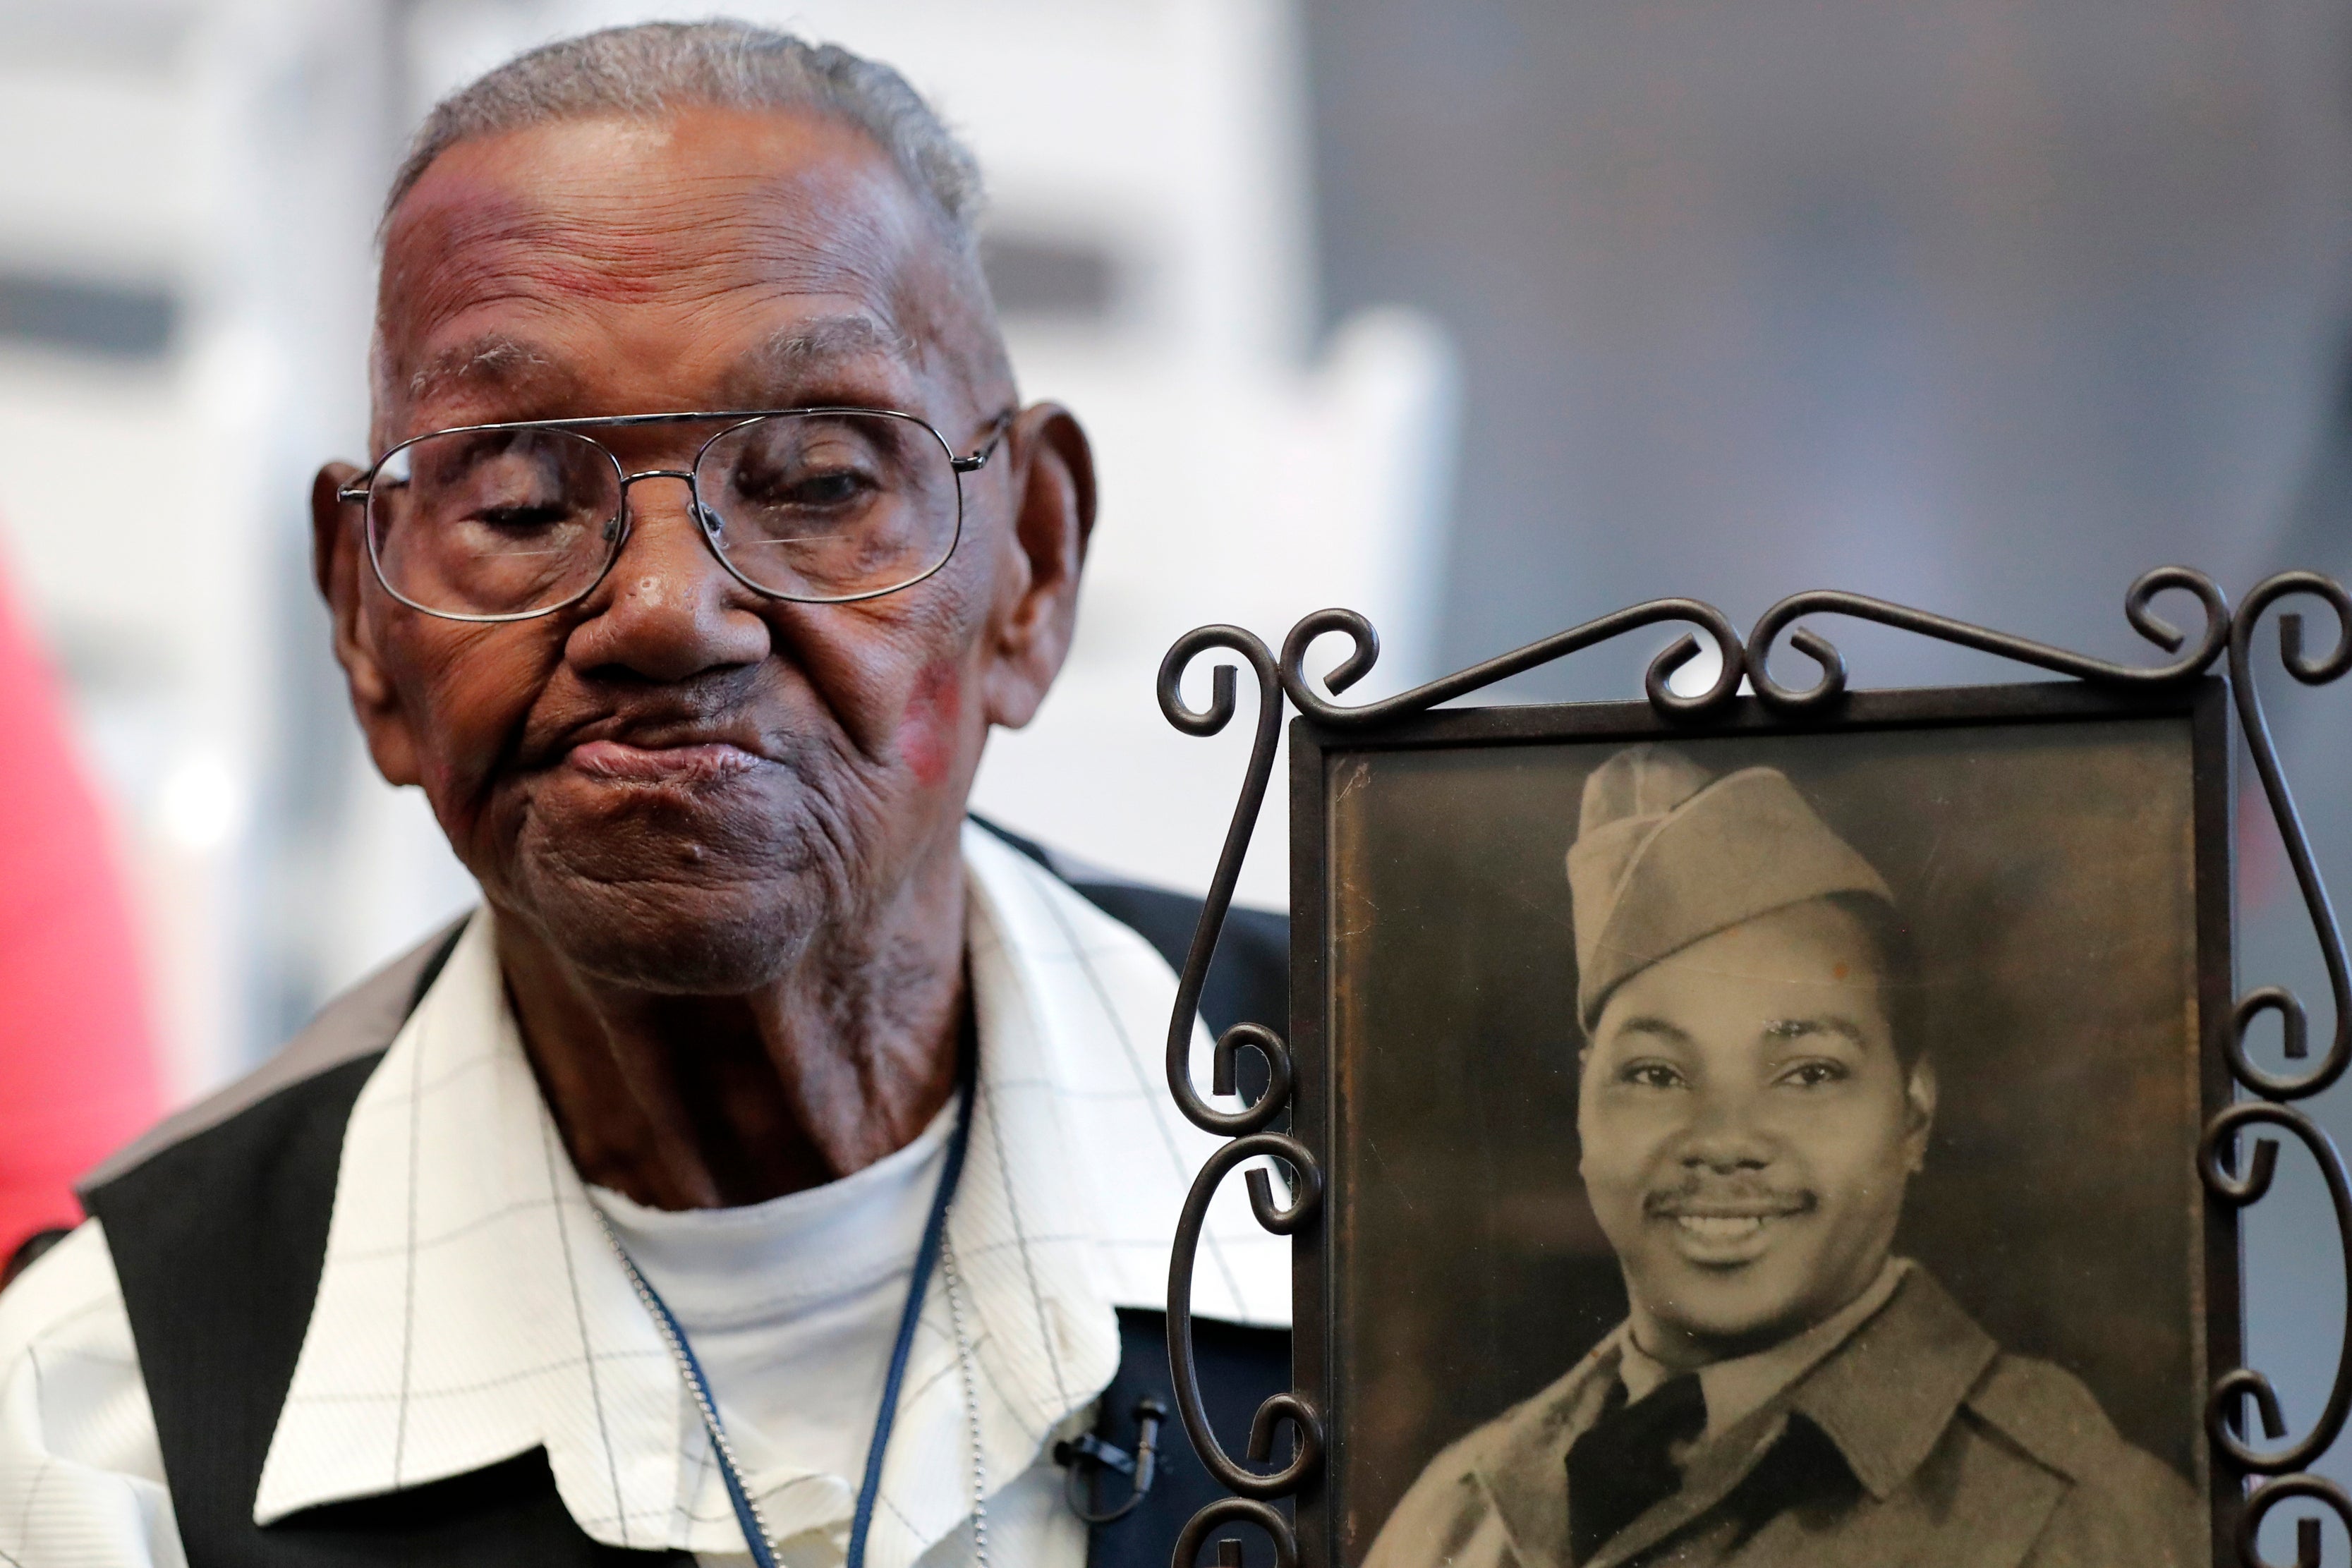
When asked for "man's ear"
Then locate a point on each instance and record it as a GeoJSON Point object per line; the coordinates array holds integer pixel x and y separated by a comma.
{"type": "Point", "coordinates": [338, 565]}
{"type": "Point", "coordinates": [1918, 1109]}
{"type": "Point", "coordinates": [1051, 469]}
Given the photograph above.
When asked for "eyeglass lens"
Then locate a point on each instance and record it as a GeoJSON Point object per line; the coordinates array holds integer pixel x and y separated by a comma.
{"type": "Point", "coordinates": [809, 507]}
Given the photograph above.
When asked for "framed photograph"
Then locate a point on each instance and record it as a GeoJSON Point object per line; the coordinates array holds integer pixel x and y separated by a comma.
{"type": "Point", "coordinates": [1773, 1140]}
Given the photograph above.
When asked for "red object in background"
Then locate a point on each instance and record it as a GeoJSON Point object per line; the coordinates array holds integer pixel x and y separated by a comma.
{"type": "Point", "coordinates": [78, 1070]}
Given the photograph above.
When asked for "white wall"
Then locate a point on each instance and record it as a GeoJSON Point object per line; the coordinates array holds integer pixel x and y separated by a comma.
{"type": "Point", "coordinates": [226, 156]}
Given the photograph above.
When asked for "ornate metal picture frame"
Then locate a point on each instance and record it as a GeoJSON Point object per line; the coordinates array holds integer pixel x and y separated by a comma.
{"type": "Point", "coordinates": [1299, 1505]}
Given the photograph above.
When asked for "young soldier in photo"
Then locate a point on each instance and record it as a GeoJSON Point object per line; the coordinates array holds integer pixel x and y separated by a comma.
{"type": "Point", "coordinates": [1753, 1102]}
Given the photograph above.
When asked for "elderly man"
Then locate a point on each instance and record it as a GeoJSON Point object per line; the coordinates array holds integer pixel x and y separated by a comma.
{"type": "Point", "coordinates": [775, 1164]}
{"type": "Point", "coordinates": [1752, 1104]}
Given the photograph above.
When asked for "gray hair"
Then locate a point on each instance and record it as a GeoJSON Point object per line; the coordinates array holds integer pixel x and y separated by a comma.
{"type": "Point", "coordinates": [652, 68]}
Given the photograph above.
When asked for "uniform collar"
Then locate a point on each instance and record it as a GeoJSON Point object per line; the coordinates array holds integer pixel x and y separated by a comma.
{"type": "Point", "coordinates": [1882, 1399]}
{"type": "Point", "coordinates": [1884, 1396]}
{"type": "Point", "coordinates": [469, 1311]}
{"type": "Point", "coordinates": [1737, 1388]}
{"type": "Point", "coordinates": [1885, 1401]}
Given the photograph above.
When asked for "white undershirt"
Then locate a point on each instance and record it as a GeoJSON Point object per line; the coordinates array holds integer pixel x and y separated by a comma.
{"type": "Point", "coordinates": [792, 1306]}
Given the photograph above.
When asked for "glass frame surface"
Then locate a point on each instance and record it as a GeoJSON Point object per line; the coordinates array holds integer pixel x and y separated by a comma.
{"type": "Point", "coordinates": [2260, 1468]}
{"type": "Point", "coordinates": [1322, 758]}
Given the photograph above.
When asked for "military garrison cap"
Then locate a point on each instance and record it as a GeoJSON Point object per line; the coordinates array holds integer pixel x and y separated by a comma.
{"type": "Point", "coordinates": [1666, 853]}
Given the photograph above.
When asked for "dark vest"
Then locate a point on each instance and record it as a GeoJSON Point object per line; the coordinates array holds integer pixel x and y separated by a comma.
{"type": "Point", "coordinates": [218, 1224]}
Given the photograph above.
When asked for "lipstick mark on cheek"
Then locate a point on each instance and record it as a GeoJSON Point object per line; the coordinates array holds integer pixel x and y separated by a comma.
{"type": "Point", "coordinates": [933, 724]}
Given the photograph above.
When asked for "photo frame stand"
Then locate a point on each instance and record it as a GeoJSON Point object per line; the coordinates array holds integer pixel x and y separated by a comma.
{"type": "Point", "coordinates": [2279, 1475]}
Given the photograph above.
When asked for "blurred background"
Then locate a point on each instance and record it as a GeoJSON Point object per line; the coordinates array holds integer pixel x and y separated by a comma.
{"type": "Point", "coordinates": [1481, 316]}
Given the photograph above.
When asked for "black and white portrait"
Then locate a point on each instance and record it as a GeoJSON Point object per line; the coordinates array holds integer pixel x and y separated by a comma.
{"type": "Point", "coordinates": [1769, 1149]}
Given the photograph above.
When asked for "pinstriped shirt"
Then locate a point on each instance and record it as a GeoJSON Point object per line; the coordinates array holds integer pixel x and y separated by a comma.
{"type": "Point", "coordinates": [468, 1313]}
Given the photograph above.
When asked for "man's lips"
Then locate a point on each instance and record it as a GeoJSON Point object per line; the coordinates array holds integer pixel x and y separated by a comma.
{"type": "Point", "coordinates": [697, 762]}
{"type": "Point", "coordinates": [1729, 1208]}
{"type": "Point", "coordinates": [1725, 1229]}
{"type": "Point", "coordinates": [1722, 1226]}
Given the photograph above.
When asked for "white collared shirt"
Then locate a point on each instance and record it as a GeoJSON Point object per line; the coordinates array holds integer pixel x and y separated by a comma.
{"type": "Point", "coordinates": [469, 1311]}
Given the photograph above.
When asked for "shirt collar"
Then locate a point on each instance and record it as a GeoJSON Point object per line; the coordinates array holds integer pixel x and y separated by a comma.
{"type": "Point", "coordinates": [1739, 1387]}
{"type": "Point", "coordinates": [469, 1311]}
{"type": "Point", "coordinates": [1882, 1392]}
{"type": "Point", "coordinates": [1882, 1397]}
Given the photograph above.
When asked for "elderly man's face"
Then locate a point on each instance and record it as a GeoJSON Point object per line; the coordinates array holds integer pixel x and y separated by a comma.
{"type": "Point", "coordinates": [676, 780]}
{"type": "Point", "coordinates": [1748, 1132]}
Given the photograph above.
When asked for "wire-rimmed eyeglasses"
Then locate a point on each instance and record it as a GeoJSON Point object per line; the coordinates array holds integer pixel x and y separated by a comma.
{"type": "Point", "coordinates": [816, 506]}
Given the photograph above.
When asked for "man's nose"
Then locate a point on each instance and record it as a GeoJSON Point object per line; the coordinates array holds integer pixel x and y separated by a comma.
{"type": "Point", "coordinates": [1724, 1134]}
{"type": "Point", "coordinates": [668, 611]}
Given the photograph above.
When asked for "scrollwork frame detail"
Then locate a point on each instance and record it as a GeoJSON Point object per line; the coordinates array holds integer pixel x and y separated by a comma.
{"type": "Point", "coordinates": [2283, 1473]}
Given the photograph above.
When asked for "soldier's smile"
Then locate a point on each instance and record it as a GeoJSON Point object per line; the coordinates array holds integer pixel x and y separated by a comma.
{"type": "Point", "coordinates": [1725, 1232]}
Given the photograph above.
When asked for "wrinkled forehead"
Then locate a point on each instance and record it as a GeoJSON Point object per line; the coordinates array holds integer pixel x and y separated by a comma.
{"type": "Point", "coordinates": [728, 243]}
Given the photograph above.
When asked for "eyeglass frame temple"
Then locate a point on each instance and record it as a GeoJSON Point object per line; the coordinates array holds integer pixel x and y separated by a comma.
{"type": "Point", "coordinates": [997, 430]}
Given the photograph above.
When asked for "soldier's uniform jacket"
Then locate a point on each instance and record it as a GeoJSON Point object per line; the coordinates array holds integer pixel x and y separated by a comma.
{"type": "Point", "coordinates": [1918, 1441]}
